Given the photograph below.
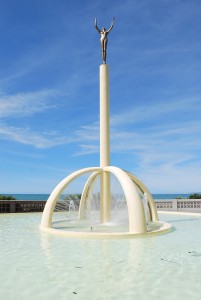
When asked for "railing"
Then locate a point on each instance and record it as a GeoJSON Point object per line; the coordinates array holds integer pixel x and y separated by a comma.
{"type": "Point", "coordinates": [22, 206]}
{"type": "Point", "coordinates": [164, 205]}
{"type": "Point", "coordinates": [184, 205]}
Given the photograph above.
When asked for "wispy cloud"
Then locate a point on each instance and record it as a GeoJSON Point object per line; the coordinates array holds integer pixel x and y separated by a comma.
{"type": "Point", "coordinates": [163, 153]}
{"type": "Point", "coordinates": [25, 104]}
{"type": "Point", "coordinates": [87, 149]}
{"type": "Point", "coordinates": [29, 137]}
{"type": "Point", "coordinates": [170, 178]}
{"type": "Point", "coordinates": [35, 59]}
{"type": "Point", "coordinates": [124, 138]}
{"type": "Point", "coordinates": [155, 110]}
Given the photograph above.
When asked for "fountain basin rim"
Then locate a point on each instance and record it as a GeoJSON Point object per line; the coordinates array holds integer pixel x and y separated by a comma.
{"type": "Point", "coordinates": [165, 228]}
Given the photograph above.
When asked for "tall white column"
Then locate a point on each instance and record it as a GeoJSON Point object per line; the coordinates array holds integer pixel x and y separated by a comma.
{"type": "Point", "coordinates": [104, 143]}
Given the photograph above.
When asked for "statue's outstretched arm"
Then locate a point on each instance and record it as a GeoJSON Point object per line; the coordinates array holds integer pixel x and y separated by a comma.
{"type": "Point", "coordinates": [112, 24]}
{"type": "Point", "coordinates": [95, 23]}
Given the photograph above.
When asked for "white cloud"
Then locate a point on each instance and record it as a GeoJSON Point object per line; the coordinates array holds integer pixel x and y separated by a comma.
{"type": "Point", "coordinates": [151, 134]}
{"type": "Point", "coordinates": [24, 104]}
{"type": "Point", "coordinates": [35, 58]}
{"type": "Point", "coordinates": [149, 112]}
{"type": "Point", "coordinates": [87, 149]}
{"type": "Point", "coordinates": [170, 178]}
{"type": "Point", "coordinates": [27, 136]}
{"type": "Point", "coordinates": [88, 133]}
{"type": "Point", "coordinates": [152, 148]}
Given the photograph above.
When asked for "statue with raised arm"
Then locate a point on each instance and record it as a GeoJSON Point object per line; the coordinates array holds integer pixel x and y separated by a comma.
{"type": "Point", "coordinates": [103, 40]}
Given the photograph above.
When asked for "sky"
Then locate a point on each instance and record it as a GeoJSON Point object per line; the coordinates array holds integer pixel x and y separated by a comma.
{"type": "Point", "coordinates": [49, 91]}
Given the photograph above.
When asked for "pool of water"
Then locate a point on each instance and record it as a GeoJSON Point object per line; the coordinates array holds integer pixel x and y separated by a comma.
{"type": "Point", "coordinates": [36, 265]}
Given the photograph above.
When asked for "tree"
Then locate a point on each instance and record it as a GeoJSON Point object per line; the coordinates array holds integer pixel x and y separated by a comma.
{"type": "Point", "coordinates": [195, 196]}
{"type": "Point", "coordinates": [4, 197]}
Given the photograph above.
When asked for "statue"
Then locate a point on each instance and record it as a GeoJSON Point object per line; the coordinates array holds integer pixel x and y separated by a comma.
{"type": "Point", "coordinates": [103, 39]}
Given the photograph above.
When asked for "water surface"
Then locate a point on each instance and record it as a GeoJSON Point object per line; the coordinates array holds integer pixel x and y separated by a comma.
{"type": "Point", "coordinates": [36, 265]}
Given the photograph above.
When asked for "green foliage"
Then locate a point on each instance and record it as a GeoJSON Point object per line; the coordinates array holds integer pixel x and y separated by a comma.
{"type": "Point", "coordinates": [72, 197]}
{"type": "Point", "coordinates": [195, 196]}
{"type": "Point", "coordinates": [75, 197]}
{"type": "Point", "coordinates": [3, 197]}
{"type": "Point", "coordinates": [179, 197]}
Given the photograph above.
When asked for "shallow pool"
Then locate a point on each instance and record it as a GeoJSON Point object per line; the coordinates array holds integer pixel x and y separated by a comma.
{"type": "Point", "coordinates": [35, 265]}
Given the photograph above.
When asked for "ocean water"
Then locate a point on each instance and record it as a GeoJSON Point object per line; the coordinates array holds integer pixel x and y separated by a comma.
{"type": "Point", "coordinates": [30, 196]}
{"type": "Point", "coordinates": [45, 196]}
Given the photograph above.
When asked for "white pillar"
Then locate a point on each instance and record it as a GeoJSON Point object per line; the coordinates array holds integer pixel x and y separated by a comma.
{"type": "Point", "coordinates": [104, 117]}
{"type": "Point", "coordinates": [104, 143]}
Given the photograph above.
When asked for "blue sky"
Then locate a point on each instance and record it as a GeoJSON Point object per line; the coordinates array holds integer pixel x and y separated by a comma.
{"type": "Point", "coordinates": [49, 91]}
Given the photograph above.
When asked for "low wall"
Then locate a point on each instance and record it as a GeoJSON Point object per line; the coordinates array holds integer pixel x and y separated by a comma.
{"type": "Point", "coordinates": [19, 206]}
{"type": "Point", "coordinates": [24, 206]}
{"type": "Point", "coordinates": [186, 205]}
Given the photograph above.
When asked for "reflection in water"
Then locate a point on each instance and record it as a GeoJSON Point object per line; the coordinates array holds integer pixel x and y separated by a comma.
{"type": "Point", "coordinates": [127, 268]}
{"type": "Point", "coordinates": [89, 266]}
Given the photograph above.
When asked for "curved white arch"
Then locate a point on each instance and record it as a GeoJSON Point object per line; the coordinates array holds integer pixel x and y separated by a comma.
{"type": "Point", "coordinates": [144, 189]}
{"type": "Point", "coordinates": [129, 183]}
{"type": "Point", "coordinates": [89, 182]}
{"type": "Point", "coordinates": [51, 202]}
{"type": "Point", "coordinates": [136, 215]}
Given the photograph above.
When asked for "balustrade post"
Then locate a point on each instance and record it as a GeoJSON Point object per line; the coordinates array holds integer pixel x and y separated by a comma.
{"type": "Point", "coordinates": [12, 207]}
{"type": "Point", "coordinates": [174, 205]}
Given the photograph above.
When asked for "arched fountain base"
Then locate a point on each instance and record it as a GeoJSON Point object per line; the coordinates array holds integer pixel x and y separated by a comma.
{"type": "Point", "coordinates": [137, 224]}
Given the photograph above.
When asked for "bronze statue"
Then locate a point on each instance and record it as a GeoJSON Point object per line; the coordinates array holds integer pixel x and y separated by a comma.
{"type": "Point", "coordinates": [103, 39]}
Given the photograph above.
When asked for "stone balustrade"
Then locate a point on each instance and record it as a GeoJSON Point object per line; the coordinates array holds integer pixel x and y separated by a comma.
{"type": "Point", "coordinates": [185, 205]}
{"type": "Point", "coordinates": [23, 206]}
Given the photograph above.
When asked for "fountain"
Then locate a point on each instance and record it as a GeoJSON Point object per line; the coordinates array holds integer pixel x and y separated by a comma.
{"type": "Point", "coordinates": [142, 217]}
{"type": "Point", "coordinates": [71, 206]}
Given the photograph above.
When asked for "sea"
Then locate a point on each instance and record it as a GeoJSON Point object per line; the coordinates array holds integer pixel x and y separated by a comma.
{"type": "Point", "coordinates": [39, 197]}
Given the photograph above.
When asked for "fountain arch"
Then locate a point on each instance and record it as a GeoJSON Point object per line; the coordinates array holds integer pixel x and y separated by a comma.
{"type": "Point", "coordinates": [129, 184]}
